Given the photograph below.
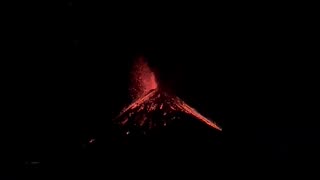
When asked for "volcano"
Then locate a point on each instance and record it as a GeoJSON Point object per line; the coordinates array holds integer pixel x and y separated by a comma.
{"type": "Point", "coordinates": [154, 107]}
{"type": "Point", "coordinates": [157, 108]}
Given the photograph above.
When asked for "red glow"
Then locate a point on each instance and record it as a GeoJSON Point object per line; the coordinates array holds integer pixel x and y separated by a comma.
{"type": "Point", "coordinates": [148, 99]}
{"type": "Point", "coordinates": [156, 100]}
{"type": "Point", "coordinates": [142, 78]}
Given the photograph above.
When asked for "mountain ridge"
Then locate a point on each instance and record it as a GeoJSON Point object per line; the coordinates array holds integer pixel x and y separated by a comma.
{"type": "Point", "coordinates": [157, 108]}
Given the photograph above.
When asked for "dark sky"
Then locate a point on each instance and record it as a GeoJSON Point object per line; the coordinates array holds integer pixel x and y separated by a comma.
{"type": "Point", "coordinates": [69, 75]}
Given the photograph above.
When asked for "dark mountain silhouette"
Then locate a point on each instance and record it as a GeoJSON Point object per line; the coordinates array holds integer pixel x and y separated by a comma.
{"type": "Point", "coordinates": [157, 109]}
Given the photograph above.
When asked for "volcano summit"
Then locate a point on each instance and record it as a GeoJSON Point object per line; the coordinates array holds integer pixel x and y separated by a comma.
{"type": "Point", "coordinates": [154, 107]}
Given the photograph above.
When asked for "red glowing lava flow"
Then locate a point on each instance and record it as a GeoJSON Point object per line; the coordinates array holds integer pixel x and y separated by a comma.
{"type": "Point", "coordinates": [150, 102]}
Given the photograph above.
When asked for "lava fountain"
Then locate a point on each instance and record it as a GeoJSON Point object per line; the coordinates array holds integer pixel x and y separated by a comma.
{"type": "Point", "coordinates": [152, 107]}
{"type": "Point", "coordinates": [142, 79]}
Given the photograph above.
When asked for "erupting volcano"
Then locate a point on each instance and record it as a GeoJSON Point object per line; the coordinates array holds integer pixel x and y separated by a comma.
{"type": "Point", "coordinates": [152, 106]}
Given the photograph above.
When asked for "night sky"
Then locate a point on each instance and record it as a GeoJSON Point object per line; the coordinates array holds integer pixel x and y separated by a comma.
{"type": "Point", "coordinates": [69, 72]}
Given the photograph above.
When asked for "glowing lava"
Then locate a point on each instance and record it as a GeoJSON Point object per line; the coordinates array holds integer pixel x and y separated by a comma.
{"type": "Point", "coordinates": [142, 79]}
{"type": "Point", "coordinates": [153, 107]}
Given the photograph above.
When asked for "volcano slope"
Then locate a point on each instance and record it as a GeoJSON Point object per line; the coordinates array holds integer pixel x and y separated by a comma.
{"type": "Point", "coordinates": [157, 109]}
{"type": "Point", "coordinates": [157, 132]}
{"type": "Point", "coordinates": [154, 108]}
